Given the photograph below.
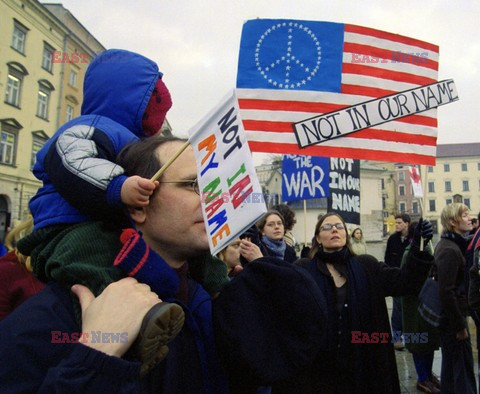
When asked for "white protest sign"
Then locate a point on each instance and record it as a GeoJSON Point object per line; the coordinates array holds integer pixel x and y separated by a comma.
{"type": "Point", "coordinates": [228, 183]}
{"type": "Point", "coordinates": [374, 112]}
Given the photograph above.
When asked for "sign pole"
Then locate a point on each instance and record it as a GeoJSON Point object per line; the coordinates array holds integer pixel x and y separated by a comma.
{"type": "Point", "coordinates": [305, 219]}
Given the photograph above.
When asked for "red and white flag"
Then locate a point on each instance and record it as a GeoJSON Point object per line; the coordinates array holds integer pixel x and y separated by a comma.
{"type": "Point", "coordinates": [291, 70]}
{"type": "Point", "coordinates": [416, 181]}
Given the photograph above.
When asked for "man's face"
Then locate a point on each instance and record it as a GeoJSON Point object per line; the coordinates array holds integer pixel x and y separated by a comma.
{"type": "Point", "coordinates": [173, 224]}
{"type": "Point", "coordinates": [401, 226]}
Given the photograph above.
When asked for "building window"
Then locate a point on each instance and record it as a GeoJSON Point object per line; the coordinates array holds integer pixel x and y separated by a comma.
{"type": "Point", "coordinates": [401, 190]}
{"type": "Point", "coordinates": [446, 167]}
{"type": "Point", "coordinates": [415, 207]}
{"type": "Point", "coordinates": [401, 176]}
{"type": "Point", "coordinates": [19, 36]}
{"type": "Point", "coordinates": [69, 113]}
{"type": "Point", "coordinates": [448, 201]}
{"type": "Point", "coordinates": [431, 187]}
{"type": "Point", "coordinates": [8, 140]}
{"type": "Point", "coordinates": [402, 207]}
{"type": "Point", "coordinates": [448, 186]}
{"type": "Point", "coordinates": [47, 57]}
{"type": "Point", "coordinates": [72, 79]}
{"type": "Point", "coordinates": [430, 169]}
{"type": "Point", "coordinates": [478, 166]}
{"type": "Point", "coordinates": [42, 105]}
{"type": "Point", "coordinates": [465, 186]}
{"type": "Point", "coordinates": [464, 167]}
{"type": "Point", "coordinates": [44, 91]}
{"type": "Point", "coordinates": [431, 205]}
{"type": "Point", "coordinates": [466, 201]}
{"type": "Point", "coordinates": [13, 92]}
{"type": "Point", "coordinates": [39, 138]}
{"type": "Point", "coordinates": [7, 147]}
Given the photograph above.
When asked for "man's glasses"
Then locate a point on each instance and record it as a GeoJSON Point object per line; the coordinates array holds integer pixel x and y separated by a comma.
{"type": "Point", "coordinates": [192, 183]}
{"type": "Point", "coordinates": [329, 226]}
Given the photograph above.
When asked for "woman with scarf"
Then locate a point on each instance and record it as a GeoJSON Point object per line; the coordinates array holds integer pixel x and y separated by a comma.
{"type": "Point", "coordinates": [359, 356]}
{"type": "Point", "coordinates": [457, 374]}
{"type": "Point", "coordinates": [272, 232]}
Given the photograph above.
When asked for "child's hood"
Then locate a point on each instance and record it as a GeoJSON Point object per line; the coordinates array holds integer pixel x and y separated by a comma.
{"type": "Point", "coordinates": [118, 85]}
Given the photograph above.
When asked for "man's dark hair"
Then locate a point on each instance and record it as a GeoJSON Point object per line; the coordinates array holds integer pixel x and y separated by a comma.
{"type": "Point", "coordinates": [139, 157]}
{"type": "Point", "coordinates": [287, 213]}
{"type": "Point", "coordinates": [404, 216]}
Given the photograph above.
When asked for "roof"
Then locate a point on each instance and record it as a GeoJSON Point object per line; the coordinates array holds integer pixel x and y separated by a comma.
{"type": "Point", "coordinates": [458, 150]}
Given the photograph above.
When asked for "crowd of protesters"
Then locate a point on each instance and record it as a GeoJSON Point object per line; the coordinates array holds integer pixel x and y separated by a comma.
{"type": "Point", "coordinates": [112, 287]}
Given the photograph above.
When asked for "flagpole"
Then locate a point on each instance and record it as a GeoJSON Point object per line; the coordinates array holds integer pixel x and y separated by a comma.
{"type": "Point", "coordinates": [305, 220]}
{"type": "Point", "coordinates": [424, 184]}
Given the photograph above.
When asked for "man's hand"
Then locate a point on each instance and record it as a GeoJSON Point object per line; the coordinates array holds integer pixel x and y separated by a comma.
{"type": "Point", "coordinates": [119, 309]}
{"type": "Point", "coordinates": [136, 191]}
{"type": "Point", "coordinates": [249, 250]}
{"type": "Point", "coordinates": [423, 230]}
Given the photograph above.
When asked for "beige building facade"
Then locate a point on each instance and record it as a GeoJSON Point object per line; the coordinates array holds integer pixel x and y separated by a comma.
{"type": "Point", "coordinates": [454, 178]}
{"type": "Point", "coordinates": [40, 89]}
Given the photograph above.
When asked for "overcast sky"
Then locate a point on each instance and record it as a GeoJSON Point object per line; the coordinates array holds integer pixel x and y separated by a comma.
{"type": "Point", "coordinates": [196, 42]}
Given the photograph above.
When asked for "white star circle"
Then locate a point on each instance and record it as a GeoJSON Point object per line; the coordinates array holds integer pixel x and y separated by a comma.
{"type": "Point", "coordinates": [287, 79]}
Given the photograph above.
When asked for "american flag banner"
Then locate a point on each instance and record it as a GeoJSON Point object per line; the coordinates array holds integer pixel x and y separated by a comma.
{"type": "Point", "coordinates": [290, 70]}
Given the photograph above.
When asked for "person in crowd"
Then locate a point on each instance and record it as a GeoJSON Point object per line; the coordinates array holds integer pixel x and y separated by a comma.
{"type": "Point", "coordinates": [17, 283]}
{"type": "Point", "coordinates": [457, 375]}
{"type": "Point", "coordinates": [423, 349]}
{"type": "Point", "coordinates": [124, 99]}
{"type": "Point", "coordinates": [231, 256]}
{"type": "Point", "coordinates": [272, 232]}
{"type": "Point", "coordinates": [473, 289]}
{"type": "Point", "coordinates": [43, 340]}
{"type": "Point", "coordinates": [360, 356]}
{"type": "Point", "coordinates": [357, 242]}
{"type": "Point", "coordinates": [474, 225]}
{"type": "Point", "coordinates": [396, 245]}
{"type": "Point", "coordinates": [289, 217]}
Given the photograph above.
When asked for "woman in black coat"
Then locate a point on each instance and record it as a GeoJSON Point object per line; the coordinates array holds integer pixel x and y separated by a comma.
{"type": "Point", "coordinates": [359, 357]}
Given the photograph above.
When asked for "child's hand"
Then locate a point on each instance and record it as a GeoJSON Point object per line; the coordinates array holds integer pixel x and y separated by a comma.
{"type": "Point", "coordinates": [136, 191]}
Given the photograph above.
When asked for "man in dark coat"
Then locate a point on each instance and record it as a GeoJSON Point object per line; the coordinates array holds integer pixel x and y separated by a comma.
{"type": "Point", "coordinates": [396, 245]}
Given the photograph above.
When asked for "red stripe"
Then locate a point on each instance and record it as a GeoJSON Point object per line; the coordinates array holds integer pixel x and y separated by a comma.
{"type": "Point", "coordinates": [354, 153]}
{"type": "Point", "coordinates": [365, 91]}
{"type": "Point", "coordinates": [395, 136]}
{"type": "Point", "coordinates": [349, 68]}
{"type": "Point", "coordinates": [141, 263]}
{"type": "Point", "coordinates": [419, 120]}
{"type": "Point", "coordinates": [293, 106]}
{"type": "Point", "coordinates": [378, 134]}
{"type": "Point", "coordinates": [388, 54]}
{"type": "Point", "coordinates": [367, 31]}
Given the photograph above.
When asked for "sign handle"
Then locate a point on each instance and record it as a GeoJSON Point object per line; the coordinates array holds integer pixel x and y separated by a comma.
{"type": "Point", "coordinates": [159, 173]}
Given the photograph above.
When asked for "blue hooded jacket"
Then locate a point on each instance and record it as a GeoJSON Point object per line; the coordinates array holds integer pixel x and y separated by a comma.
{"type": "Point", "coordinates": [77, 165]}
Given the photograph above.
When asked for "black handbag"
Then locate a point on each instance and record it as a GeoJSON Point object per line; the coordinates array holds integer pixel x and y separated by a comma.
{"type": "Point", "coordinates": [429, 306]}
